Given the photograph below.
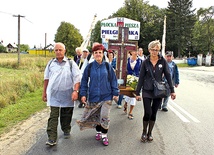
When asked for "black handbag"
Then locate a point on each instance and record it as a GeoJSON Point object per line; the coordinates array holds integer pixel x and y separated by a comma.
{"type": "Point", "coordinates": [160, 89]}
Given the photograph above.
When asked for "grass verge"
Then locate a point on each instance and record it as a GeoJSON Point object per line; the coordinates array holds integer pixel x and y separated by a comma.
{"type": "Point", "coordinates": [23, 109]}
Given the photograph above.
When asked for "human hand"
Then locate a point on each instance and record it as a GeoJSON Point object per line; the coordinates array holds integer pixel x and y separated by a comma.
{"type": "Point", "coordinates": [115, 98]}
{"type": "Point", "coordinates": [44, 97]}
{"type": "Point", "coordinates": [74, 96]}
{"type": "Point", "coordinates": [138, 98]}
{"type": "Point", "coordinates": [83, 100]}
{"type": "Point", "coordinates": [173, 96]}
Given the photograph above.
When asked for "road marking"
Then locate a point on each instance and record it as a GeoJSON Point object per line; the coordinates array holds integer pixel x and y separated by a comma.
{"type": "Point", "coordinates": [184, 119]}
{"type": "Point", "coordinates": [185, 112]}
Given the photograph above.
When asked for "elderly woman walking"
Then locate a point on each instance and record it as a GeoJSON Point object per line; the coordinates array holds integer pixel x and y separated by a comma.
{"type": "Point", "coordinates": [97, 90]}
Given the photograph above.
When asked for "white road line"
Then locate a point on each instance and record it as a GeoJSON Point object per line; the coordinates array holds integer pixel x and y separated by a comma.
{"type": "Point", "coordinates": [185, 112]}
{"type": "Point", "coordinates": [184, 119]}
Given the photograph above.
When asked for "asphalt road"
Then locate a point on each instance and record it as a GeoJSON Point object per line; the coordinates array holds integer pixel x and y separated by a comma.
{"type": "Point", "coordinates": [186, 129]}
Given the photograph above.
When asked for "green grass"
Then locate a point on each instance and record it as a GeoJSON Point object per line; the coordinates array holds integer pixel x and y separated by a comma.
{"type": "Point", "coordinates": [183, 65]}
{"type": "Point", "coordinates": [20, 88]}
{"type": "Point", "coordinates": [23, 109]}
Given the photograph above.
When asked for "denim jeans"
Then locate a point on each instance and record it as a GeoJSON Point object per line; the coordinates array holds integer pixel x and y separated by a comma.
{"type": "Point", "coordinates": [165, 102]}
{"type": "Point", "coordinates": [120, 100]}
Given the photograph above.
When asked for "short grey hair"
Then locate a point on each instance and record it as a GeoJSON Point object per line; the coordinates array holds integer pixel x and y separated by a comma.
{"type": "Point", "coordinates": [61, 44]}
{"type": "Point", "coordinates": [78, 49]}
{"type": "Point", "coordinates": [154, 43]}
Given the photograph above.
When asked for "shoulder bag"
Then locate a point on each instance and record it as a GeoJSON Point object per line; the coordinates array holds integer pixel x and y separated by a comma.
{"type": "Point", "coordinates": [160, 89]}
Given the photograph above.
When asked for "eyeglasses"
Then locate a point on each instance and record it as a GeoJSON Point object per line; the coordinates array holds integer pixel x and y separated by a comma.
{"type": "Point", "coordinates": [154, 50]}
{"type": "Point", "coordinates": [98, 52]}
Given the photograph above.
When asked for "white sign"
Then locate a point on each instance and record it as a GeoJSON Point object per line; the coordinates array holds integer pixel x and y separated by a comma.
{"type": "Point", "coordinates": [109, 28]}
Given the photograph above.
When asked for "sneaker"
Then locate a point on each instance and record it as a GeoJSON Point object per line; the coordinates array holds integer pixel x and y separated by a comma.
{"type": "Point", "coordinates": [105, 141]}
{"type": "Point", "coordinates": [98, 136]}
{"type": "Point", "coordinates": [164, 109]}
{"type": "Point", "coordinates": [119, 106]}
{"type": "Point", "coordinates": [51, 142]}
{"type": "Point", "coordinates": [67, 135]}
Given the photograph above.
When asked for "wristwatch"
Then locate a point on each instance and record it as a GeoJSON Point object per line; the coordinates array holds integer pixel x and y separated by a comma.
{"type": "Point", "coordinates": [77, 91]}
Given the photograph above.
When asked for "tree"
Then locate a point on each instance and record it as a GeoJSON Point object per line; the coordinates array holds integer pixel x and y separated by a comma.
{"type": "Point", "coordinates": [180, 23]}
{"type": "Point", "coordinates": [24, 47]}
{"type": "Point", "coordinates": [70, 36]}
{"type": "Point", "coordinates": [204, 30]}
{"type": "Point", "coordinates": [150, 18]}
{"type": "Point", "coordinates": [2, 49]}
{"type": "Point", "coordinates": [96, 32]}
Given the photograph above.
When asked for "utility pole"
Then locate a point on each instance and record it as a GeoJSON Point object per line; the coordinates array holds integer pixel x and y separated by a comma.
{"type": "Point", "coordinates": [45, 43]}
{"type": "Point", "coordinates": [18, 36]}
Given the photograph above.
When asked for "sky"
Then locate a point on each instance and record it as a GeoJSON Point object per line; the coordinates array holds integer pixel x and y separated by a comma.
{"type": "Point", "coordinates": [44, 17]}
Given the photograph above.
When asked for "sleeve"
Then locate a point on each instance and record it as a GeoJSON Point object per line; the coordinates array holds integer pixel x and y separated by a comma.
{"type": "Point", "coordinates": [85, 63]}
{"type": "Point", "coordinates": [167, 75]}
{"type": "Point", "coordinates": [46, 72]}
{"type": "Point", "coordinates": [84, 83]}
{"type": "Point", "coordinates": [76, 75]}
{"type": "Point", "coordinates": [114, 84]}
{"type": "Point", "coordinates": [141, 78]}
{"type": "Point", "coordinates": [177, 81]}
{"type": "Point", "coordinates": [114, 63]}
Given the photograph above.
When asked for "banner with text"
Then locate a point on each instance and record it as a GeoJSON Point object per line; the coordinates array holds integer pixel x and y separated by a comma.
{"type": "Point", "coordinates": [109, 28]}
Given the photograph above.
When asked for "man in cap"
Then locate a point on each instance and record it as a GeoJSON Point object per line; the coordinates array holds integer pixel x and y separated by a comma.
{"type": "Point", "coordinates": [174, 75]}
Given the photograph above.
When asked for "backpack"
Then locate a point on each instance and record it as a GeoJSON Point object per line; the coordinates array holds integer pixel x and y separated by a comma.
{"type": "Point", "coordinates": [107, 67]}
{"type": "Point", "coordinates": [67, 59]}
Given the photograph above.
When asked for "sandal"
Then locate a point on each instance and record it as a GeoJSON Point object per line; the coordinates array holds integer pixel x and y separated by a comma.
{"type": "Point", "coordinates": [130, 116]}
{"type": "Point", "coordinates": [125, 109]}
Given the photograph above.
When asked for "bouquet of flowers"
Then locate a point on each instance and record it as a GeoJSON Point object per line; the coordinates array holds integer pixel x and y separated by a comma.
{"type": "Point", "coordinates": [132, 81]}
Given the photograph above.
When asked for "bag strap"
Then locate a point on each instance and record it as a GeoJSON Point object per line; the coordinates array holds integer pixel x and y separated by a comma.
{"type": "Point", "coordinates": [70, 63]}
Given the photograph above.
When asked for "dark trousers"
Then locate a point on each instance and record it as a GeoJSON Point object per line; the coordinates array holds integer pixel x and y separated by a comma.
{"type": "Point", "coordinates": [150, 108]}
{"type": "Point", "coordinates": [65, 121]}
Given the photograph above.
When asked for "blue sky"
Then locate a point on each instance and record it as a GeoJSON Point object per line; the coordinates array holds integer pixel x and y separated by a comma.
{"type": "Point", "coordinates": [45, 17]}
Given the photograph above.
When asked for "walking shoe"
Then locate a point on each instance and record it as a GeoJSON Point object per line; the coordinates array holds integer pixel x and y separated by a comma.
{"type": "Point", "coordinates": [51, 142]}
{"type": "Point", "coordinates": [67, 135]}
{"type": "Point", "coordinates": [105, 141]}
{"type": "Point", "coordinates": [98, 136]}
{"type": "Point", "coordinates": [164, 109]}
{"type": "Point", "coordinates": [119, 106]}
